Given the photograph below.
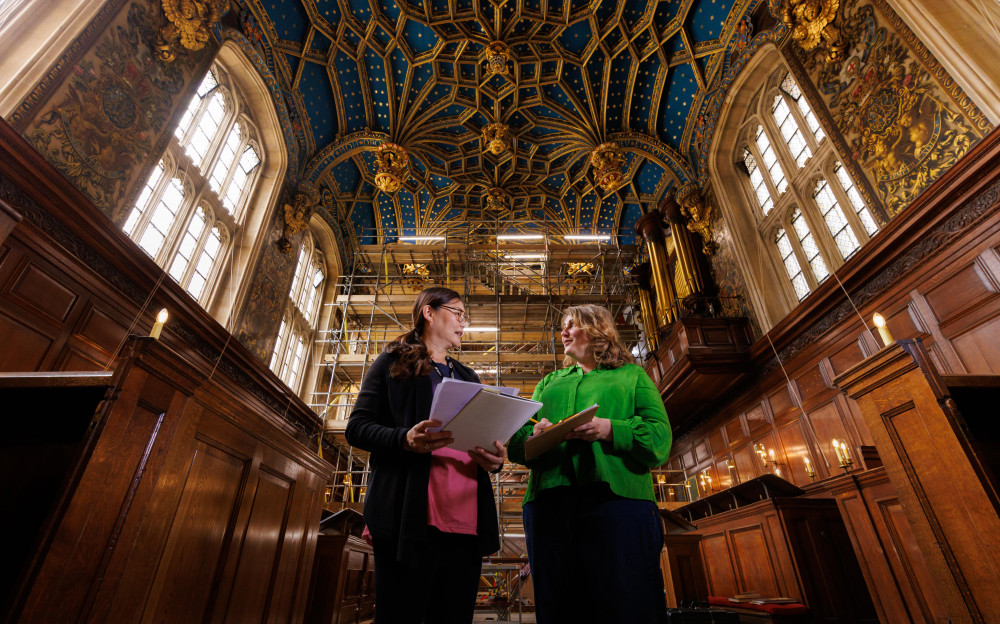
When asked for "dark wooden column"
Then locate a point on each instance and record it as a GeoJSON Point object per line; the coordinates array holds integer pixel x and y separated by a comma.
{"type": "Point", "coordinates": [943, 478]}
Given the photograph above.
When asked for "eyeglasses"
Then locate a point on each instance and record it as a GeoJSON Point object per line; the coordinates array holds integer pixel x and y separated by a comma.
{"type": "Point", "coordinates": [463, 317]}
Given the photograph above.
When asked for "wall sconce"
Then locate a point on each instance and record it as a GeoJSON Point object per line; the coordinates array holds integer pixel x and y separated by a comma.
{"type": "Point", "coordinates": [734, 477]}
{"type": "Point", "coordinates": [843, 455]}
{"type": "Point", "coordinates": [706, 481]}
{"type": "Point", "coordinates": [768, 458]}
{"type": "Point", "coordinates": [809, 469]}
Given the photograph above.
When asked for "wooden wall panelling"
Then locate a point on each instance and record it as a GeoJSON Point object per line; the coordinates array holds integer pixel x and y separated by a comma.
{"type": "Point", "coordinates": [9, 218]}
{"type": "Point", "coordinates": [948, 501]}
{"type": "Point", "coordinates": [825, 564]}
{"type": "Point", "coordinates": [735, 433]}
{"type": "Point", "coordinates": [719, 569]}
{"type": "Point", "coordinates": [745, 460]}
{"type": "Point", "coordinates": [752, 555]}
{"type": "Point", "coordinates": [891, 562]}
{"type": "Point", "coordinates": [136, 431]}
{"type": "Point", "coordinates": [794, 448]}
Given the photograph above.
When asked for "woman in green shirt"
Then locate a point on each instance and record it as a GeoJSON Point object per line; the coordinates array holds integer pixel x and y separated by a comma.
{"type": "Point", "coordinates": [590, 515]}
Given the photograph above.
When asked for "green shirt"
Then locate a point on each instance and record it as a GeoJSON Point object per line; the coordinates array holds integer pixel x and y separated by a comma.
{"type": "Point", "coordinates": [641, 434]}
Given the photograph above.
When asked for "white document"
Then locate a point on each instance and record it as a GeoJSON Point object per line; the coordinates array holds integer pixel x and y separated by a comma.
{"type": "Point", "coordinates": [477, 414]}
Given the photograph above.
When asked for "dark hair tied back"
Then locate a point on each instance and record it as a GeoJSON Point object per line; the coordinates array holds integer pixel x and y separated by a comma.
{"type": "Point", "coordinates": [414, 360]}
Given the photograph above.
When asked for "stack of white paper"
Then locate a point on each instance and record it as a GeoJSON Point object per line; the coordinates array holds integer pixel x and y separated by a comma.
{"type": "Point", "coordinates": [477, 414]}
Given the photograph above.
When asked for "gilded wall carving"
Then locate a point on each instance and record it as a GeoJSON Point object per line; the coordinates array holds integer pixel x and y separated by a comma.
{"type": "Point", "coordinates": [102, 122]}
{"type": "Point", "coordinates": [904, 119]}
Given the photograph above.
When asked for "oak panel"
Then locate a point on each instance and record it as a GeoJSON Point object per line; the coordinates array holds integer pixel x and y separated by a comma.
{"type": "Point", "coordinates": [44, 294]}
{"type": "Point", "coordinates": [757, 573]}
{"type": "Point", "coordinates": [258, 557]}
{"type": "Point", "coordinates": [24, 347]}
{"type": "Point", "coordinates": [202, 527]}
{"type": "Point", "coordinates": [979, 348]}
{"type": "Point", "coordinates": [718, 566]}
{"type": "Point", "coordinates": [963, 289]}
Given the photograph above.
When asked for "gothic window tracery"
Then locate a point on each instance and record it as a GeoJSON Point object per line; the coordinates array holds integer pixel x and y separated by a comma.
{"type": "Point", "coordinates": [301, 317]}
{"type": "Point", "coordinates": [193, 204]}
{"type": "Point", "coordinates": [808, 212]}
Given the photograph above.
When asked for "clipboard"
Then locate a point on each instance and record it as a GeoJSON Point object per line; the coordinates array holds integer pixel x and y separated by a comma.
{"type": "Point", "coordinates": [556, 434]}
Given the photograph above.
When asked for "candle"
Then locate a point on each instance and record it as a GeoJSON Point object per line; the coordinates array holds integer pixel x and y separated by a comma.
{"type": "Point", "coordinates": [836, 449]}
{"type": "Point", "coordinates": [770, 453]}
{"type": "Point", "coordinates": [161, 318]}
{"type": "Point", "coordinates": [847, 453]}
{"type": "Point", "coordinates": [809, 468]}
{"type": "Point", "coordinates": [883, 331]}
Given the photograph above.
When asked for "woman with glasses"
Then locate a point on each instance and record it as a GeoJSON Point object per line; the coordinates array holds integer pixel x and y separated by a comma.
{"type": "Point", "coordinates": [429, 508]}
{"type": "Point", "coordinates": [590, 516]}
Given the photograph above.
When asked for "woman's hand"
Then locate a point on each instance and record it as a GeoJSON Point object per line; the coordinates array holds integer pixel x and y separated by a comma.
{"type": "Point", "coordinates": [419, 440]}
{"type": "Point", "coordinates": [596, 429]}
{"type": "Point", "coordinates": [541, 426]}
{"type": "Point", "coordinates": [491, 462]}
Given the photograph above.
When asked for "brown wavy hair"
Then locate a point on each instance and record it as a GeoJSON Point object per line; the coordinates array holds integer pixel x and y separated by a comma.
{"type": "Point", "coordinates": [605, 343]}
{"type": "Point", "coordinates": [414, 360]}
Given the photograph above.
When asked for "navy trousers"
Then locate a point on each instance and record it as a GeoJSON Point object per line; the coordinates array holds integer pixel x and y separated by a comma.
{"type": "Point", "coordinates": [440, 589]}
{"type": "Point", "coordinates": [595, 557]}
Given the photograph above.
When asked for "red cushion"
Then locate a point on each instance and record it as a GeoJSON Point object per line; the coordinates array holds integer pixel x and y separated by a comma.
{"type": "Point", "coordinates": [794, 608]}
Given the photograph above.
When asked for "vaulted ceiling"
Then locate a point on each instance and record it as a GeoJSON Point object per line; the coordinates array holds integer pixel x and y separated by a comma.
{"type": "Point", "coordinates": [577, 74]}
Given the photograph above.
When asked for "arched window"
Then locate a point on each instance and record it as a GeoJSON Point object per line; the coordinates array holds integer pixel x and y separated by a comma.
{"type": "Point", "coordinates": [298, 329]}
{"type": "Point", "coordinates": [193, 204]}
{"type": "Point", "coordinates": [809, 216]}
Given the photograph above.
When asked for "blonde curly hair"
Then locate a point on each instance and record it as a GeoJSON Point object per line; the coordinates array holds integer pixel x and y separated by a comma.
{"type": "Point", "coordinates": [599, 325]}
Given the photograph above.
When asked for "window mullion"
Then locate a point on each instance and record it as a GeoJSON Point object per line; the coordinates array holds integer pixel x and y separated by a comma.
{"type": "Point", "coordinates": [802, 123]}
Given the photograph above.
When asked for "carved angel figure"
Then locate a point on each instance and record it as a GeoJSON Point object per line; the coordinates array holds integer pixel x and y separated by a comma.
{"type": "Point", "coordinates": [188, 22]}
{"type": "Point", "coordinates": [812, 22]}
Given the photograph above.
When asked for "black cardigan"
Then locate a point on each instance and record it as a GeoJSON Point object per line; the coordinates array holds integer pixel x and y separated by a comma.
{"type": "Point", "coordinates": [396, 498]}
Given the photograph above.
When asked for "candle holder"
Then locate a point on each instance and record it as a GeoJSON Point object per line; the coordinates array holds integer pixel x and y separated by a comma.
{"type": "Point", "coordinates": [810, 471]}
{"type": "Point", "coordinates": [843, 455]}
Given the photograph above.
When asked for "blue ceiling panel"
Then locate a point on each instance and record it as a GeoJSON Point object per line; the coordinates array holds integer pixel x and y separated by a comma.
{"type": "Point", "coordinates": [375, 68]}
{"type": "Point", "coordinates": [707, 18]}
{"type": "Point", "coordinates": [360, 10]}
{"type": "Point", "coordinates": [606, 211]}
{"type": "Point", "coordinates": [644, 93]}
{"type": "Point", "coordinates": [290, 20]}
{"type": "Point", "coordinates": [387, 214]}
{"type": "Point", "coordinates": [419, 38]}
{"type": "Point", "coordinates": [328, 10]}
{"type": "Point", "coordinates": [676, 104]}
{"type": "Point", "coordinates": [347, 176]}
{"type": "Point", "coordinates": [648, 178]}
{"type": "Point", "coordinates": [350, 88]}
{"type": "Point", "coordinates": [575, 38]}
{"type": "Point", "coordinates": [320, 107]}
{"type": "Point", "coordinates": [626, 224]}
{"type": "Point", "coordinates": [666, 12]}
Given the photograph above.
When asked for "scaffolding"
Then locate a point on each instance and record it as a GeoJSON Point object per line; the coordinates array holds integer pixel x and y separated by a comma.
{"type": "Point", "coordinates": [516, 280]}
